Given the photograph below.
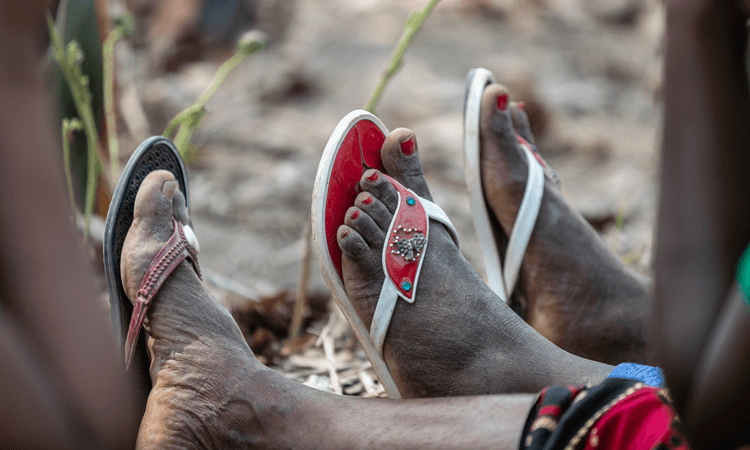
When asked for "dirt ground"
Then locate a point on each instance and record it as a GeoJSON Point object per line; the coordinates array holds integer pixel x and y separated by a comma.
{"type": "Point", "coordinates": [588, 70]}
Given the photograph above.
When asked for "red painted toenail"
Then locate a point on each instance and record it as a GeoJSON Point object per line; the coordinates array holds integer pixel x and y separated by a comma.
{"type": "Point", "coordinates": [520, 105]}
{"type": "Point", "coordinates": [354, 214]}
{"type": "Point", "coordinates": [407, 147]}
{"type": "Point", "coordinates": [367, 200]}
{"type": "Point", "coordinates": [345, 233]}
{"type": "Point", "coordinates": [373, 177]}
{"type": "Point", "coordinates": [502, 102]}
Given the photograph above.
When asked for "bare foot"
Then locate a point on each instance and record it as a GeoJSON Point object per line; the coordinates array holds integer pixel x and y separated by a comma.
{"type": "Point", "coordinates": [209, 391]}
{"type": "Point", "coordinates": [576, 292]}
{"type": "Point", "coordinates": [457, 338]}
{"type": "Point", "coordinates": [208, 388]}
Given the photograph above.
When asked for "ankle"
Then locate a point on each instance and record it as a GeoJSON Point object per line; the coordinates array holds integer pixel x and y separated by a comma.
{"type": "Point", "coordinates": [184, 315]}
{"type": "Point", "coordinates": [267, 410]}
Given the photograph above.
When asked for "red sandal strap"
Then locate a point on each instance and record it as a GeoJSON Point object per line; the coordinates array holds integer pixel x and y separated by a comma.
{"type": "Point", "coordinates": [166, 261]}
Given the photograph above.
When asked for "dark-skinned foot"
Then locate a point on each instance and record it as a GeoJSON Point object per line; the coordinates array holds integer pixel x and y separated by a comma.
{"type": "Point", "coordinates": [457, 338]}
{"type": "Point", "coordinates": [574, 290]}
{"type": "Point", "coordinates": [209, 391]}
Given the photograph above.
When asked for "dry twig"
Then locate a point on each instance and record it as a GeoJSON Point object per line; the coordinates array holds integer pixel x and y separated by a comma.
{"type": "Point", "coordinates": [331, 362]}
{"type": "Point", "coordinates": [300, 300]}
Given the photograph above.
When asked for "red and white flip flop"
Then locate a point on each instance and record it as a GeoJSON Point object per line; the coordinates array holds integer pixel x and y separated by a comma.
{"type": "Point", "coordinates": [353, 148]}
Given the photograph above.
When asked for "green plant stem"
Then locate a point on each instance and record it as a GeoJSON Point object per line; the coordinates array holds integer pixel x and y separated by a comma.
{"type": "Point", "coordinates": [67, 127]}
{"type": "Point", "coordinates": [185, 132]}
{"type": "Point", "coordinates": [109, 103]}
{"type": "Point", "coordinates": [78, 85]}
{"type": "Point", "coordinates": [413, 25]}
{"type": "Point", "coordinates": [185, 123]}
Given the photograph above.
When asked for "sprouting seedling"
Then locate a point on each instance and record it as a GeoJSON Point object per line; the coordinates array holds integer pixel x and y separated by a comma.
{"type": "Point", "coordinates": [413, 25]}
{"type": "Point", "coordinates": [619, 222]}
{"type": "Point", "coordinates": [69, 126]}
{"type": "Point", "coordinates": [122, 26]}
{"type": "Point", "coordinates": [69, 58]}
{"type": "Point", "coordinates": [619, 219]}
{"type": "Point", "coordinates": [189, 119]}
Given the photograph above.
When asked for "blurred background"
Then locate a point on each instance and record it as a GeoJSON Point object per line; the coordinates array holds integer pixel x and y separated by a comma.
{"type": "Point", "coordinates": [588, 71]}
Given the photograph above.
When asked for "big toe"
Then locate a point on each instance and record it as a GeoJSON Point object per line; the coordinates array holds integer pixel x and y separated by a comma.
{"type": "Point", "coordinates": [400, 156]}
{"type": "Point", "coordinates": [498, 135]}
{"type": "Point", "coordinates": [151, 227]}
{"type": "Point", "coordinates": [153, 204]}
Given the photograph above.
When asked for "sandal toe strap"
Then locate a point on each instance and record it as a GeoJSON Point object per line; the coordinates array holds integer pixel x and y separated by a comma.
{"type": "Point", "coordinates": [403, 254]}
{"type": "Point", "coordinates": [166, 261]}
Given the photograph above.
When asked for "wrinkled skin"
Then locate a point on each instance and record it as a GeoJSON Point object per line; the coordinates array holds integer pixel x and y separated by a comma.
{"type": "Point", "coordinates": [200, 361]}
{"type": "Point", "coordinates": [577, 292]}
{"type": "Point", "coordinates": [457, 338]}
{"type": "Point", "coordinates": [701, 320]}
{"type": "Point", "coordinates": [210, 391]}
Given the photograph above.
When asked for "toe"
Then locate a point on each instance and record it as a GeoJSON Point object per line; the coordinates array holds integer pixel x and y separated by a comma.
{"type": "Point", "coordinates": [153, 204]}
{"type": "Point", "coordinates": [179, 208]}
{"type": "Point", "coordinates": [365, 226]}
{"type": "Point", "coordinates": [375, 209]}
{"type": "Point", "coordinates": [151, 227]}
{"type": "Point", "coordinates": [401, 161]}
{"type": "Point", "coordinates": [497, 126]}
{"type": "Point", "coordinates": [376, 184]}
{"type": "Point", "coordinates": [181, 213]}
{"type": "Point", "coordinates": [521, 122]}
{"type": "Point", "coordinates": [352, 244]}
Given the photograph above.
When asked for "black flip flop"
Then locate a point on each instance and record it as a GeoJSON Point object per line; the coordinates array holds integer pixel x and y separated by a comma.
{"type": "Point", "coordinates": [155, 153]}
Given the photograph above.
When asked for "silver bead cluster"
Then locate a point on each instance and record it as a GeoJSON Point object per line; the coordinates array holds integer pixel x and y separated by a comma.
{"type": "Point", "coordinates": [410, 249]}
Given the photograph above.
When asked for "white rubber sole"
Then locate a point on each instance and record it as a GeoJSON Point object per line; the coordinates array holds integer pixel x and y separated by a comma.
{"type": "Point", "coordinates": [501, 280]}
{"type": "Point", "coordinates": [331, 277]}
{"type": "Point", "coordinates": [476, 81]}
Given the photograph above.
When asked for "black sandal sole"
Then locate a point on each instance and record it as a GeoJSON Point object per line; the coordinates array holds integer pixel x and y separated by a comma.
{"type": "Point", "coordinates": [155, 153]}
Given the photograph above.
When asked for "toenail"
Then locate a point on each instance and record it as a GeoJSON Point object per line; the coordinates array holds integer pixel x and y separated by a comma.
{"type": "Point", "coordinates": [354, 214]}
{"type": "Point", "coordinates": [407, 147]}
{"type": "Point", "coordinates": [520, 105]}
{"type": "Point", "coordinates": [373, 177]}
{"type": "Point", "coordinates": [345, 233]}
{"type": "Point", "coordinates": [168, 188]}
{"type": "Point", "coordinates": [367, 200]}
{"type": "Point", "coordinates": [502, 102]}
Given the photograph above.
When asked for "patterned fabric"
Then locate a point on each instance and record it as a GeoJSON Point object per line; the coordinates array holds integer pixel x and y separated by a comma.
{"type": "Point", "coordinates": [616, 414]}
{"type": "Point", "coordinates": [648, 375]}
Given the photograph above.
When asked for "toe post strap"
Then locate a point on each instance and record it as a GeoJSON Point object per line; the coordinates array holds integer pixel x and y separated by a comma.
{"type": "Point", "coordinates": [403, 254]}
{"type": "Point", "coordinates": [178, 248]}
{"type": "Point", "coordinates": [523, 227]}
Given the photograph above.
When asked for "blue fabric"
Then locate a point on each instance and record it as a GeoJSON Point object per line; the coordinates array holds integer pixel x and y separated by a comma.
{"type": "Point", "coordinates": [652, 376]}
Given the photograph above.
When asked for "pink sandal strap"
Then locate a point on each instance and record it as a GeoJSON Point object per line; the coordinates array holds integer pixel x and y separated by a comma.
{"type": "Point", "coordinates": [166, 261]}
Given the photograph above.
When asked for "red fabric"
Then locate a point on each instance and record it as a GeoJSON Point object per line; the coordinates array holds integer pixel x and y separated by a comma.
{"type": "Point", "coordinates": [551, 410]}
{"type": "Point", "coordinates": [642, 421]}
